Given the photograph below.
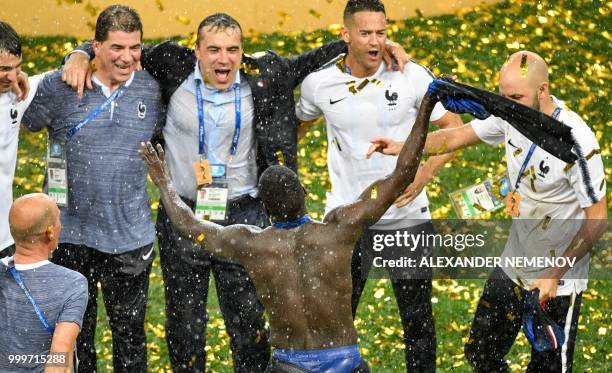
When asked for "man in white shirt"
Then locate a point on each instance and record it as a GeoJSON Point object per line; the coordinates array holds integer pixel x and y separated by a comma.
{"type": "Point", "coordinates": [360, 99]}
{"type": "Point", "coordinates": [561, 211]}
{"type": "Point", "coordinates": [11, 111]}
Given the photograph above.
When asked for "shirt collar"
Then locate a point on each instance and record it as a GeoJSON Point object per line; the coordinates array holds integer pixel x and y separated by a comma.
{"type": "Point", "coordinates": [197, 75]}
{"type": "Point", "coordinates": [105, 89]}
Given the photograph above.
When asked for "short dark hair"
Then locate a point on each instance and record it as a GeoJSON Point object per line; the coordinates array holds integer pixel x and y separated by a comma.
{"type": "Point", "coordinates": [117, 18]}
{"type": "Point", "coordinates": [281, 193]}
{"type": "Point", "coordinates": [9, 40]}
{"type": "Point", "coordinates": [219, 21]}
{"type": "Point", "coordinates": [354, 6]}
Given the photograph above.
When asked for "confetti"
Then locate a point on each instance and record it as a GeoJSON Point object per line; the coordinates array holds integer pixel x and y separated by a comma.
{"type": "Point", "coordinates": [201, 237]}
{"type": "Point", "coordinates": [374, 192]}
{"type": "Point", "coordinates": [524, 66]}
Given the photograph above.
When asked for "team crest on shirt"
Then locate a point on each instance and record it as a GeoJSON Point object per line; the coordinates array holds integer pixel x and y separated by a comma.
{"type": "Point", "coordinates": [142, 110]}
{"type": "Point", "coordinates": [543, 169]}
{"type": "Point", "coordinates": [391, 99]}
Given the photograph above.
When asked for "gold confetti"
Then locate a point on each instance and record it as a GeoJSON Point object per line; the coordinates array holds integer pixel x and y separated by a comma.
{"type": "Point", "coordinates": [184, 20]}
{"type": "Point", "coordinates": [201, 237]}
{"type": "Point", "coordinates": [568, 167]}
{"type": "Point", "coordinates": [478, 206]}
{"type": "Point", "coordinates": [601, 185]}
{"type": "Point", "coordinates": [517, 292]}
{"type": "Point", "coordinates": [524, 66]}
{"type": "Point", "coordinates": [517, 152]}
{"type": "Point", "coordinates": [374, 192]}
{"type": "Point", "coordinates": [280, 157]}
{"type": "Point", "coordinates": [592, 153]}
{"type": "Point", "coordinates": [532, 182]}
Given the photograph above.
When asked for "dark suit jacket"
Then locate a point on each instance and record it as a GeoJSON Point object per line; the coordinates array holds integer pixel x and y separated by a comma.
{"type": "Point", "coordinates": [272, 79]}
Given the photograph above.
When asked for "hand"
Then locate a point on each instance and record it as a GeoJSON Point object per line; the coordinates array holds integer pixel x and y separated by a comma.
{"type": "Point", "coordinates": [21, 87]}
{"type": "Point", "coordinates": [414, 189]}
{"type": "Point", "coordinates": [547, 286]}
{"type": "Point", "coordinates": [385, 146]}
{"type": "Point", "coordinates": [155, 162]}
{"type": "Point", "coordinates": [395, 56]}
{"type": "Point", "coordinates": [77, 72]}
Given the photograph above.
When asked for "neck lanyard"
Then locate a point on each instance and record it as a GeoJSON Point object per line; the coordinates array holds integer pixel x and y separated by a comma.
{"type": "Point", "coordinates": [291, 224]}
{"type": "Point", "coordinates": [532, 148]}
{"type": "Point", "coordinates": [201, 134]}
{"type": "Point", "coordinates": [38, 311]}
{"type": "Point", "coordinates": [73, 131]}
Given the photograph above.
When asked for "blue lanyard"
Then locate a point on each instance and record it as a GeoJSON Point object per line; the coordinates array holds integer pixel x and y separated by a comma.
{"type": "Point", "coordinates": [39, 313]}
{"type": "Point", "coordinates": [555, 114]}
{"type": "Point", "coordinates": [73, 131]}
{"type": "Point", "coordinates": [292, 224]}
{"type": "Point", "coordinates": [201, 134]}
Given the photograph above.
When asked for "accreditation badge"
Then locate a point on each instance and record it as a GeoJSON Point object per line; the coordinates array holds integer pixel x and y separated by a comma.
{"type": "Point", "coordinates": [212, 198]}
{"type": "Point", "coordinates": [57, 181]}
{"type": "Point", "coordinates": [474, 200]}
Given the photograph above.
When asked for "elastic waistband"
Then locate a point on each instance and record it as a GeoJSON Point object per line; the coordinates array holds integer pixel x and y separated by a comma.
{"type": "Point", "coordinates": [351, 351]}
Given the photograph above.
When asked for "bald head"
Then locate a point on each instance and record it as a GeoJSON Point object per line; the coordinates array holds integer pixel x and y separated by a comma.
{"type": "Point", "coordinates": [526, 67]}
{"type": "Point", "coordinates": [32, 217]}
{"type": "Point", "coordinates": [524, 79]}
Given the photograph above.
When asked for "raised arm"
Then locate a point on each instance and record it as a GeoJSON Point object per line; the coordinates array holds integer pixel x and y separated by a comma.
{"type": "Point", "coordinates": [228, 242]}
{"type": "Point", "coordinates": [377, 198]}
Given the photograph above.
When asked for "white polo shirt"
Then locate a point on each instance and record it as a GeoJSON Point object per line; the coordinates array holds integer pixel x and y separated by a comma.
{"type": "Point", "coordinates": [356, 111]}
{"type": "Point", "coordinates": [550, 190]}
{"type": "Point", "coordinates": [11, 113]}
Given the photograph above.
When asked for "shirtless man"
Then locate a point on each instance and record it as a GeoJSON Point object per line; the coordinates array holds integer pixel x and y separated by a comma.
{"type": "Point", "coordinates": [301, 268]}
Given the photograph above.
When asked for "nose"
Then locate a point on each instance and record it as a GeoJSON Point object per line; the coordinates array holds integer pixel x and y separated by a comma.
{"type": "Point", "coordinates": [223, 56]}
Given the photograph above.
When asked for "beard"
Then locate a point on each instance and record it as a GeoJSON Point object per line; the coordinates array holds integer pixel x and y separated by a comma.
{"type": "Point", "coordinates": [536, 102]}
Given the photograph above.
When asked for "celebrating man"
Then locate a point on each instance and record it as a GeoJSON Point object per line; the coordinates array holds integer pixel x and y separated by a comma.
{"type": "Point", "coordinates": [360, 98]}
{"type": "Point", "coordinates": [559, 210]}
{"type": "Point", "coordinates": [95, 174]}
{"type": "Point", "coordinates": [301, 268]}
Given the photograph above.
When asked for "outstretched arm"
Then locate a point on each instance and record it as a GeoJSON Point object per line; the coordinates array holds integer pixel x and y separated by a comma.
{"type": "Point", "coordinates": [216, 239]}
{"type": "Point", "coordinates": [438, 142]}
{"type": "Point", "coordinates": [377, 198]}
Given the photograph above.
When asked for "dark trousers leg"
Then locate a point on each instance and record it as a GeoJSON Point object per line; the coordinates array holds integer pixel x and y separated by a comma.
{"type": "Point", "coordinates": [496, 324]}
{"type": "Point", "coordinates": [9, 251]}
{"type": "Point", "coordinates": [564, 311]}
{"type": "Point", "coordinates": [186, 273]}
{"type": "Point", "coordinates": [413, 295]}
{"type": "Point", "coordinates": [414, 302]}
{"type": "Point", "coordinates": [81, 259]}
{"type": "Point", "coordinates": [242, 310]}
{"type": "Point", "coordinates": [125, 292]}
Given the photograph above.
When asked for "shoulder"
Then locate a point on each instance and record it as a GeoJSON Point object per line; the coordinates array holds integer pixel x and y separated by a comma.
{"type": "Point", "coordinates": [418, 72]}
{"type": "Point", "coordinates": [145, 81]}
{"type": "Point", "coordinates": [68, 276]}
{"type": "Point", "coordinates": [582, 133]}
{"type": "Point", "coordinates": [169, 49]}
{"type": "Point", "coordinates": [328, 72]}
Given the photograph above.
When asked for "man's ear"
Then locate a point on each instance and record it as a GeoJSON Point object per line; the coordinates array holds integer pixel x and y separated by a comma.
{"type": "Point", "coordinates": [345, 35]}
{"type": "Point", "coordinates": [543, 90]}
{"type": "Point", "coordinates": [50, 233]}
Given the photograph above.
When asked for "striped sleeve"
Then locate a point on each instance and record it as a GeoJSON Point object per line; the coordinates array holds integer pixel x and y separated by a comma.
{"type": "Point", "coordinates": [586, 175]}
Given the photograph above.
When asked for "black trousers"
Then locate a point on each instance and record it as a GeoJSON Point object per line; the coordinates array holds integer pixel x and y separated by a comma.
{"type": "Point", "coordinates": [125, 285]}
{"type": "Point", "coordinates": [9, 251]}
{"type": "Point", "coordinates": [186, 269]}
{"type": "Point", "coordinates": [413, 295]}
{"type": "Point", "coordinates": [498, 320]}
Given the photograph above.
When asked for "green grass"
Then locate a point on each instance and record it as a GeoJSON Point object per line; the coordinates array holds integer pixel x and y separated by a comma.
{"type": "Point", "coordinates": [573, 36]}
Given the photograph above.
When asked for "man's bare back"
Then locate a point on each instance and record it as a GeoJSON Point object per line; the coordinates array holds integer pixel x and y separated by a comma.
{"type": "Point", "coordinates": [301, 274]}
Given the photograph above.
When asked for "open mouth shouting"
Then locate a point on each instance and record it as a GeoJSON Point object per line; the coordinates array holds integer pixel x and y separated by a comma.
{"type": "Point", "coordinates": [222, 75]}
{"type": "Point", "coordinates": [373, 54]}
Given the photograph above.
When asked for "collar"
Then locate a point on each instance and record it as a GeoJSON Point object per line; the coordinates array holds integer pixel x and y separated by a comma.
{"type": "Point", "coordinates": [291, 224]}
{"type": "Point", "coordinates": [341, 65]}
{"type": "Point", "coordinates": [23, 267]}
{"type": "Point", "coordinates": [105, 89]}
{"type": "Point", "coordinates": [197, 75]}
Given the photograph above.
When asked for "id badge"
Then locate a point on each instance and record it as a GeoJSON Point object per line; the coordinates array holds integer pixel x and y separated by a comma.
{"type": "Point", "coordinates": [474, 200]}
{"type": "Point", "coordinates": [513, 203]}
{"type": "Point", "coordinates": [57, 181]}
{"type": "Point", "coordinates": [212, 199]}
